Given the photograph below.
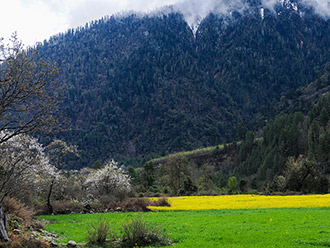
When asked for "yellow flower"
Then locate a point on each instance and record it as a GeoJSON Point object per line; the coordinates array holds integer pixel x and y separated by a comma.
{"type": "Point", "coordinates": [245, 202]}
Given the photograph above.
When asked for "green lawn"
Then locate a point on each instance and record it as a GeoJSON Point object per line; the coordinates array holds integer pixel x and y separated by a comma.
{"type": "Point", "coordinates": [218, 228]}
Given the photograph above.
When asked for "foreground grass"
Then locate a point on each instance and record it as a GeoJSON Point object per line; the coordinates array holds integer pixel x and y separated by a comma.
{"type": "Point", "coordinates": [217, 228]}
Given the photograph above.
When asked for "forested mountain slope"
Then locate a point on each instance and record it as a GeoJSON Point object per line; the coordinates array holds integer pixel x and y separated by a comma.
{"type": "Point", "coordinates": [144, 85]}
{"type": "Point", "coordinates": [291, 156]}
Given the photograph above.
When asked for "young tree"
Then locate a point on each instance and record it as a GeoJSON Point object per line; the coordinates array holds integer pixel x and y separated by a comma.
{"type": "Point", "coordinates": [148, 175]}
{"type": "Point", "coordinates": [56, 150]}
{"type": "Point", "coordinates": [205, 179]}
{"type": "Point", "coordinates": [177, 169]}
{"type": "Point", "coordinates": [232, 185]}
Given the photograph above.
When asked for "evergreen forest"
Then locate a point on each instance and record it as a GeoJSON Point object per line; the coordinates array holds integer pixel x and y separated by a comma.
{"type": "Point", "coordinates": [140, 87]}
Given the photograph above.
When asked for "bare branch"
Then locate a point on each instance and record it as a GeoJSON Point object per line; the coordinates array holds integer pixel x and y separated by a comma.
{"type": "Point", "coordinates": [28, 94]}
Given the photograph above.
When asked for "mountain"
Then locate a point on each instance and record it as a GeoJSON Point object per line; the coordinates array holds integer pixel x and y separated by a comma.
{"type": "Point", "coordinates": [142, 86]}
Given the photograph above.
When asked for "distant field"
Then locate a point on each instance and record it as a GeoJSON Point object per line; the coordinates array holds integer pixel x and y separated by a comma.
{"type": "Point", "coordinates": [196, 152]}
{"type": "Point", "coordinates": [188, 153]}
{"type": "Point", "coordinates": [245, 202]}
{"type": "Point", "coordinates": [218, 228]}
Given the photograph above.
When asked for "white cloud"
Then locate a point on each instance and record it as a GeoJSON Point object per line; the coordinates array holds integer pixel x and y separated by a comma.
{"type": "Point", "coordinates": [269, 4]}
{"type": "Point", "coordinates": [322, 7]}
{"type": "Point", "coordinates": [33, 22]}
{"type": "Point", "coordinates": [83, 11]}
{"type": "Point", "coordinates": [195, 10]}
{"type": "Point", "coordinates": [36, 20]}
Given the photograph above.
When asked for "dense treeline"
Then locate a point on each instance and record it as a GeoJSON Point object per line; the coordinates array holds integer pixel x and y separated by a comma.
{"type": "Point", "coordinates": [147, 86]}
{"type": "Point", "coordinates": [292, 156]}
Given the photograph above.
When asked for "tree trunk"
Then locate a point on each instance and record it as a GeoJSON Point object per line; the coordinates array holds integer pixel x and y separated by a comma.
{"type": "Point", "coordinates": [49, 206]}
{"type": "Point", "coordinates": [3, 226]}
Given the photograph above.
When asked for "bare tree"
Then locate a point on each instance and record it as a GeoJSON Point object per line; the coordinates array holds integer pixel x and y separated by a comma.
{"type": "Point", "coordinates": [28, 92]}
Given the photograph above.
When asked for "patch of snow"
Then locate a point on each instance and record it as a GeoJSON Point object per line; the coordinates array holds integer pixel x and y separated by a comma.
{"type": "Point", "coordinates": [194, 29]}
{"type": "Point", "coordinates": [289, 4]}
{"type": "Point", "coordinates": [294, 6]}
{"type": "Point", "coordinates": [262, 13]}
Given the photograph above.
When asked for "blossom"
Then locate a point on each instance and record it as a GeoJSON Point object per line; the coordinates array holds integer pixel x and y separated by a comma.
{"type": "Point", "coordinates": [245, 202]}
{"type": "Point", "coordinates": [22, 163]}
{"type": "Point", "coordinates": [108, 179]}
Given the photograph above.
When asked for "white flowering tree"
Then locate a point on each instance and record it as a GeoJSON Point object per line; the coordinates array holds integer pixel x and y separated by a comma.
{"type": "Point", "coordinates": [109, 180]}
{"type": "Point", "coordinates": [23, 164]}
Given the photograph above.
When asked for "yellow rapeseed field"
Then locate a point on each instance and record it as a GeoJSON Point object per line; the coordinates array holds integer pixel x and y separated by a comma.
{"type": "Point", "coordinates": [245, 202]}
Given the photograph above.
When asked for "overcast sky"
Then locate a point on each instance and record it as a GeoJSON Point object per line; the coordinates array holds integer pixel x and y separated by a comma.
{"type": "Point", "coordinates": [36, 20]}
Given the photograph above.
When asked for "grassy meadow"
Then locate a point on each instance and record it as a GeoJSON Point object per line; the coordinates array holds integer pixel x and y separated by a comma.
{"type": "Point", "coordinates": [195, 152]}
{"type": "Point", "coordinates": [261, 227]}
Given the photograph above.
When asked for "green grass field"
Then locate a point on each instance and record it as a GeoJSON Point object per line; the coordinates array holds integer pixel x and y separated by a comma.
{"type": "Point", "coordinates": [217, 228]}
{"type": "Point", "coordinates": [199, 151]}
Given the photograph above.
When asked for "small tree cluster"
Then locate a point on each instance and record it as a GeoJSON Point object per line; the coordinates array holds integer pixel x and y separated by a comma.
{"type": "Point", "coordinates": [302, 175]}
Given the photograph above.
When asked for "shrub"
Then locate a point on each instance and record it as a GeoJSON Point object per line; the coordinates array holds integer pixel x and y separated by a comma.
{"type": "Point", "coordinates": [98, 232]}
{"type": "Point", "coordinates": [161, 202]}
{"type": "Point", "coordinates": [131, 205]}
{"type": "Point", "coordinates": [96, 206]}
{"type": "Point", "coordinates": [138, 232]}
{"type": "Point", "coordinates": [67, 207]}
{"type": "Point", "coordinates": [232, 185]}
{"type": "Point", "coordinates": [25, 240]}
{"type": "Point", "coordinates": [37, 225]}
{"type": "Point", "coordinates": [14, 222]}
{"type": "Point", "coordinates": [12, 206]}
